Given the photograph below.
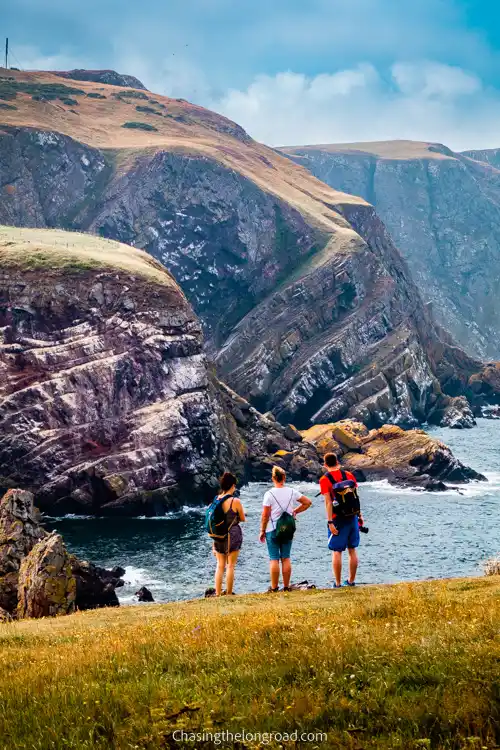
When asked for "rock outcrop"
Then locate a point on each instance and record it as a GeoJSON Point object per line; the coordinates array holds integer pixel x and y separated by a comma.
{"type": "Point", "coordinates": [37, 575]}
{"type": "Point", "coordinates": [250, 237]}
{"type": "Point", "coordinates": [47, 586]}
{"type": "Point", "coordinates": [20, 531]}
{"type": "Point", "coordinates": [408, 457]}
{"type": "Point", "coordinates": [110, 77]}
{"type": "Point", "coordinates": [95, 586]}
{"type": "Point", "coordinates": [442, 211]}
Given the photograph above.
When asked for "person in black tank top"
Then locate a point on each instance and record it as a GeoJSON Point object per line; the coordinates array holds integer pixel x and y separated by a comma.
{"type": "Point", "coordinates": [227, 550]}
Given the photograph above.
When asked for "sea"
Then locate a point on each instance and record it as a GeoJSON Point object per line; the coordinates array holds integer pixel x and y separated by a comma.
{"type": "Point", "coordinates": [413, 535]}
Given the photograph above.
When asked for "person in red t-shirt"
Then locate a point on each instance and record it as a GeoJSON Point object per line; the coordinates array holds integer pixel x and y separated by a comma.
{"type": "Point", "coordinates": [343, 533]}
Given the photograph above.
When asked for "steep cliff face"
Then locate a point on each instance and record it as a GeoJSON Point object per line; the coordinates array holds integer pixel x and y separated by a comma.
{"type": "Point", "coordinates": [306, 304]}
{"type": "Point", "coordinates": [107, 403]}
{"type": "Point", "coordinates": [104, 394]}
{"type": "Point", "coordinates": [442, 211]}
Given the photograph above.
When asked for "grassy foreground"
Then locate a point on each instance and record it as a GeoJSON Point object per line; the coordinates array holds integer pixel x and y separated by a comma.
{"type": "Point", "coordinates": [406, 666]}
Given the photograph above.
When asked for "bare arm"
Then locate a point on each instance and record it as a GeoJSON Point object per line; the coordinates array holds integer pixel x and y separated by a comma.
{"type": "Point", "coordinates": [305, 503]}
{"type": "Point", "coordinates": [329, 514]}
{"type": "Point", "coordinates": [239, 508]}
{"type": "Point", "coordinates": [266, 515]}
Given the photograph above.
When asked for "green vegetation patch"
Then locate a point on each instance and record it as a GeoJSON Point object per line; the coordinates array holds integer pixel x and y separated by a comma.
{"type": "Point", "coordinates": [95, 95]}
{"type": "Point", "coordinates": [129, 94]}
{"type": "Point", "coordinates": [10, 88]}
{"type": "Point", "coordinates": [70, 102]}
{"type": "Point", "coordinates": [139, 126]}
{"type": "Point", "coordinates": [380, 668]}
{"type": "Point", "coordinates": [148, 110]}
{"type": "Point", "coordinates": [4, 105]}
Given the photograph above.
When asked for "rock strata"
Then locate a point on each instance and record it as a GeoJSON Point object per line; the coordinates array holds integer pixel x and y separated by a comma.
{"type": "Point", "coordinates": [47, 586]}
{"type": "Point", "coordinates": [442, 210]}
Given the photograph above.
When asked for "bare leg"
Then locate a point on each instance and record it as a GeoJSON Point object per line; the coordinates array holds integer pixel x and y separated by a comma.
{"type": "Point", "coordinates": [337, 567]}
{"type": "Point", "coordinates": [231, 564]}
{"type": "Point", "coordinates": [274, 568]}
{"type": "Point", "coordinates": [353, 565]}
{"type": "Point", "coordinates": [286, 570]}
{"type": "Point", "coordinates": [219, 572]}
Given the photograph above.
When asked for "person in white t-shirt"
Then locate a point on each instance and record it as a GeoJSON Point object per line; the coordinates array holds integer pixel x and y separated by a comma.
{"type": "Point", "coordinates": [277, 501]}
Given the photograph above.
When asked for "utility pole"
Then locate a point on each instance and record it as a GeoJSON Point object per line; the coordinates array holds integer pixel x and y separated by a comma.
{"type": "Point", "coordinates": [7, 52]}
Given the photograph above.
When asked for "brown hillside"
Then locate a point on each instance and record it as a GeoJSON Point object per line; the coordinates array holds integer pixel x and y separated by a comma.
{"type": "Point", "coordinates": [177, 124]}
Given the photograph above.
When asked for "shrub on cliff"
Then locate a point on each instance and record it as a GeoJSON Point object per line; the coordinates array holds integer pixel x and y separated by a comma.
{"type": "Point", "coordinates": [139, 126]}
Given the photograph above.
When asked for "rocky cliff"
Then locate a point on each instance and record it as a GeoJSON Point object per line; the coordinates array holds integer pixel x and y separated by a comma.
{"type": "Point", "coordinates": [442, 211]}
{"type": "Point", "coordinates": [307, 306]}
{"type": "Point", "coordinates": [107, 403]}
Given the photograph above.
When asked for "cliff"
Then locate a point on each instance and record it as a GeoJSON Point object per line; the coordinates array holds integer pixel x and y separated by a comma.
{"type": "Point", "coordinates": [442, 211]}
{"type": "Point", "coordinates": [107, 403]}
{"type": "Point", "coordinates": [306, 305]}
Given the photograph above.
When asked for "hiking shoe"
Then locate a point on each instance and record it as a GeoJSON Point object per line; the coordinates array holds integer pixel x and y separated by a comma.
{"type": "Point", "coordinates": [336, 585]}
{"type": "Point", "coordinates": [287, 588]}
{"type": "Point", "coordinates": [346, 583]}
{"type": "Point", "coordinates": [272, 591]}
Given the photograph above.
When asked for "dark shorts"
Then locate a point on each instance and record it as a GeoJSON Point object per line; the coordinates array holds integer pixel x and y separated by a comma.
{"type": "Point", "coordinates": [277, 550]}
{"type": "Point", "coordinates": [348, 536]}
{"type": "Point", "coordinates": [233, 544]}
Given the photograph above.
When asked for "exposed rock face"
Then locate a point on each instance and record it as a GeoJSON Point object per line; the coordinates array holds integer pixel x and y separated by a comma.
{"type": "Point", "coordinates": [252, 239]}
{"type": "Point", "coordinates": [47, 586]}
{"type": "Point", "coordinates": [105, 399]}
{"type": "Point", "coordinates": [4, 616]}
{"type": "Point", "coordinates": [107, 404]}
{"type": "Point", "coordinates": [456, 413]}
{"type": "Point", "coordinates": [264, 442]}
{"type": "Point", "coordinates": [403, 457]}
{"type": "Point", "coordinates": [103, 76]}
{"type": "Point", "coordinates": [20, 531]}
{"type": "Point", "coordinates": [442, 210]}
{"type": "Point", "coordinates": [95, 586]}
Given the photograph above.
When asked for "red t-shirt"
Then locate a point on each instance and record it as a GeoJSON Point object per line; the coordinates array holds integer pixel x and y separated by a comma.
{"type": "Point", "coordinates": [325, 485]}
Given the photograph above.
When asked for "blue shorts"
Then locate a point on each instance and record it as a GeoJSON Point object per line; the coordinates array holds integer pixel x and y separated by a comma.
{"type": "Point", "coordinates": [276, 550]}
{"type": "Point", "coordinates": [348, 536]}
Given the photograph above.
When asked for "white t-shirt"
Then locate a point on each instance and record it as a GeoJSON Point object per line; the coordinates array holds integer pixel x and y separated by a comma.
{"type": "Point", "coordinates": [280, 499]}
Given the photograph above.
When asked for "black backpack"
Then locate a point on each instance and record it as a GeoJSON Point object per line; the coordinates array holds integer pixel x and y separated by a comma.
{"type": "Point", "coordinates": [345, 499]}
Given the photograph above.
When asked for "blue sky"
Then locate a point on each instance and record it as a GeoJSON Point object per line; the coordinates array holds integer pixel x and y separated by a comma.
{"type": "Point", "coordinates": [290, 71]}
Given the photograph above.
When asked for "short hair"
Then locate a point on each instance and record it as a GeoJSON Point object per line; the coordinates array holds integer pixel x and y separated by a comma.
{"type": "Point", "coordinates": [227, 481]}
{"type": "Point", "coordinates": [278, 474]}
{"type": "Point", "coordinates": [330, 460]}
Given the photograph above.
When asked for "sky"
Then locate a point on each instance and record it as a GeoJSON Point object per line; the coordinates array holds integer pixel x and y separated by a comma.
{"type": "Point", "coordinates": [291, 72]}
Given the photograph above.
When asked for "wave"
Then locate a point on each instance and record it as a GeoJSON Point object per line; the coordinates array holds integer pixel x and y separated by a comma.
{"type": "Point", "coordinates": [473, 489]}
{"type": "Point", "coordinates": [186, 510]}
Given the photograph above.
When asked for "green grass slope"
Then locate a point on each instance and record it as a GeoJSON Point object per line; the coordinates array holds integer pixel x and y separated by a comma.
{"type": "Point", "coordinates": [405, 666]}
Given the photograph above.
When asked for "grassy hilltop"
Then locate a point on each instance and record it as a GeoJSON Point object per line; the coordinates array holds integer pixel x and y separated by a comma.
{"type": "Point", "coordinates": [405, 666]}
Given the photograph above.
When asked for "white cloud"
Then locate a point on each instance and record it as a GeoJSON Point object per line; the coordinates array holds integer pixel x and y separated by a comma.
{"type": "Point", "coordinates": [426, 101]}
{"type": "Point", "coordinates": [434, 79]}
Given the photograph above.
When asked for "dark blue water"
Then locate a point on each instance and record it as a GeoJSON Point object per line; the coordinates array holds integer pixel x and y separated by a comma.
{"type": "Point", "coordinates": [413, 535]}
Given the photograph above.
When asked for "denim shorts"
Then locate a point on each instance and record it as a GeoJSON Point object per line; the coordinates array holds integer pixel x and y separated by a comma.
{"type": "Point", "coordinates": [348, 536]}
{"type": "Point", "coordinates": [277, 550]}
